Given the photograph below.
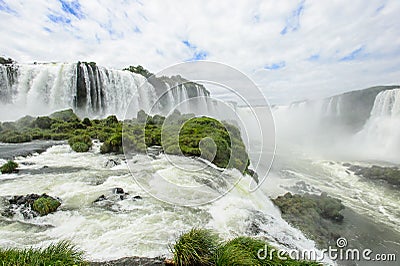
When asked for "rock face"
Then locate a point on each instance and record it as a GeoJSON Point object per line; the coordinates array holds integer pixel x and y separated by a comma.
{"type": "Point", "coordinates": [110, 163]}
{"type": "Point", "coordinates": [315, 215]}
{"type": "Point", "coordinates": [32, 205]}
{"type": "Point", "coordinates": [352, 109]}
{"type": "Point", "coordinates": [391, 175]}
{"type": "Point", "coordinates": [111, 201]}
{"type": "Point", "coordinates": [131, 261]}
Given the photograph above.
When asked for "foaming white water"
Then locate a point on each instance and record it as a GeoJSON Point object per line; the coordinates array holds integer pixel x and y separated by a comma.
{"type": "Point", "coordinates": [378, 202]}
{"type": "Point", "coordinates": [131, 227]}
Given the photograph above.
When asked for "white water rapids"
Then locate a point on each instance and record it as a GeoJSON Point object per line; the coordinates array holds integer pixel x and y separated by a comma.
{"type": "Point", "coordinates": [142, 227]}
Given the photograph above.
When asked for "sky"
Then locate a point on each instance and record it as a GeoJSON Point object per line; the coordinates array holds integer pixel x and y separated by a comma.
{"type": "Point", "coordinates": [292, 50]}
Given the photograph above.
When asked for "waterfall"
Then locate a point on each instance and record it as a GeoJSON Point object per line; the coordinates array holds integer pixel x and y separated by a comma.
{"type": "Point", "coordinates": [387, 104]}
{"type": "Point", "coordinates": [381, 134]}
{"type": "Point", "coordinates": [90, 90]}
{"type": "Point", "coordinates": [7, 77]}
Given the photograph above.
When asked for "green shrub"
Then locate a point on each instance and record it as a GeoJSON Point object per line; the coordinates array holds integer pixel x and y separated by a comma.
{"type": "Point", "coordinates": [203, 247]}
{"type": "Point", "coordinates": [139, 70]}
{"type": "Point", "coordinates": [111, 120]}
{"type": "Point", "coordinates": [112, 144]}
{"type": "Point", "coordinates": [65, 115]}
{"type": "Point", "coordinates": [86, 121]}
{"type": "Point", "coordinates": [25, 122]}
{"type": "Point", "coordinates": [14, 137]}
{"type": "Point", "coordinates": [234, 254]}
{"type": "Point", "coordinates": [43, 122]}
{"type": "Point", "coordinates": [59, 254]}
{"type": "Point", "coordinates": [9, 167]}
{"type": "Point", "coordinates": [36, 133]}
{"type": "Point", "coordinates": [80, 147]}
{"type": "Point", "coordinates": [59, 136]}
{"type": "Point", "coordinates": [195, 247]}
{"type": "Point", "coordinates": [45, 205]}
{"type": "Point", "coordinates": [85, 139]}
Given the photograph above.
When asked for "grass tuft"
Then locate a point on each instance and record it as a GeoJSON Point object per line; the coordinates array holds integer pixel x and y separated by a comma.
{"type": "Point", "coordinates": [61, 253]}
{"type": "Point", "coordinates": [202, 247]}
{"type": "Point", "coordinates": [9, 167]}
{"type": "Point", "coordinates": [195, 247]}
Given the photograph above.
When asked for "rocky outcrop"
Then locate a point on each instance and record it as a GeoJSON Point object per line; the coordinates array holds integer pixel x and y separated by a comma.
{"type": "Point", "coordinates": [390, 175]}
{"type": "Point", "coordinates": [314, 215]}
{"type": "Point", "coordinates": [32, 205]}
{"type": "Point", "coordinates": [115, 195]}
{"type": "Point", "coordinates": [132, 261]}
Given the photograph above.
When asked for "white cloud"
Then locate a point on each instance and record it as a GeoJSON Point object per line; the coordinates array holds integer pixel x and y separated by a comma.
{"type": "Point", "coordinates": [243, 34]}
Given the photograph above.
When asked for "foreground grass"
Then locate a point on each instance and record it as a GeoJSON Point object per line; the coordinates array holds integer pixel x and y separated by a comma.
{"type": "Point", "coordinates": [62, 253]}
{"type": "Point", "coordinates": [203, 247]}
{"type": "Point", "coordinates": [198, 247]}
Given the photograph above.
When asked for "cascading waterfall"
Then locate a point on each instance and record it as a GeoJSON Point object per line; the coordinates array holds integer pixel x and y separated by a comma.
{"type": "Point", "coordinates": [381, 134]}
{"type": "Point", "coordinates": [7, 77]}
{"type": "Point", "coordinates": [387, 104]}
{"type": "Point", "coordinates": [90, 90]}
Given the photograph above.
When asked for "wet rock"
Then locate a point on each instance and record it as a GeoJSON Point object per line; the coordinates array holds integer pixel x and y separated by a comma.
{"type": "Point", "coordinates": [118, 190]}
{"type": "Point", "coordinates": [256, 223]}
{"type": "Point", "coordinates": [32, 205]}
{"type": "Point", "coordinates": [253, 174]}
{"type": "Point", "coordinates": [390, 175]}
{"type": "Point", "coordinates": [110, 201]}
{"type": "Point", "coordinates": [101, 198]}
{"type": "Point", "coordinates": [302, 187]}
{"type": "Point", "coordinates": [154, 151]}
{"type": "Point", "coordinates": [27, 163]}
{"type": "Point", "coordinates": [110, 163]}
{"type": "Point", "coordinates": [316, 215]}
{"type": "Point", "coordinates": [133, 261]}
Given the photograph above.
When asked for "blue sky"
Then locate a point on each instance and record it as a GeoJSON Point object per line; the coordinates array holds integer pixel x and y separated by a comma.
{"type": "Point", "coordinates": [292, 50]}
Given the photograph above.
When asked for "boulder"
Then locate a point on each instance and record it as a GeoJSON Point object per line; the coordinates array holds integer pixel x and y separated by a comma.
{"type": "Point", "coordinates": [32, 205]}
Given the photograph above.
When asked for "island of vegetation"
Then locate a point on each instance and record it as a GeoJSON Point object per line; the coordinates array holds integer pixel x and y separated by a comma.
{"type": "Point", "coordinates": [181, 134]}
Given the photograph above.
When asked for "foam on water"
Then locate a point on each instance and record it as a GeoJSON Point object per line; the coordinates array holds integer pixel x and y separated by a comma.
{"type": "Point", "coordinates": [133, 227]}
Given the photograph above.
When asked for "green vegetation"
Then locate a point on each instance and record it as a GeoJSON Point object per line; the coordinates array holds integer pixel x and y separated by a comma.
{"type": "Point", "coordinates": [9, 167]}
{"type": "Point", "coordinates": [62, 253]}
{"type": "Point", "coordinates": [81, 143]}
{"type": "Point", "coordinates": [199, 247]}
{"type": "Point", "coordinates": [195, 247]}
{"type": "Point", "coordinates": [139, 70]}
{"type": "Point", "coordinates": [45, 205]}
{"type": "Point", "coordinates": [65, 115]}
{"type": "Point", "coordinates": [203, 247]}
{"type": "Point", "coordinates": [215, 141]}
{"type": "Point", "coordinates": [315, 215]}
